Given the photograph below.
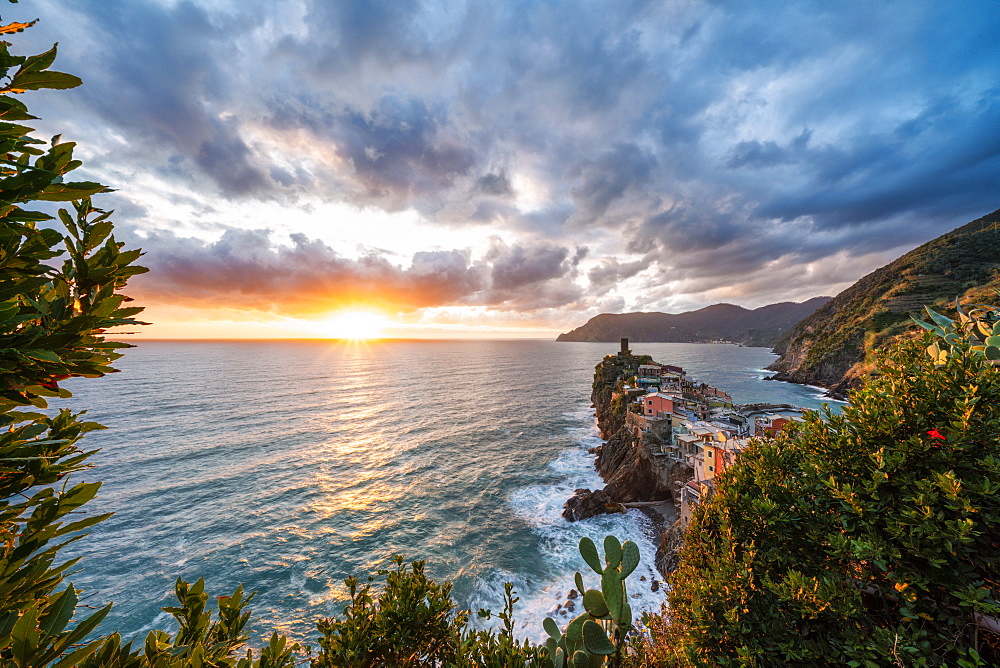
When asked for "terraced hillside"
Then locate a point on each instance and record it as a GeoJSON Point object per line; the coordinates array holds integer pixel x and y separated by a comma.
{"type": "Point", "coordinates": [829, 347]}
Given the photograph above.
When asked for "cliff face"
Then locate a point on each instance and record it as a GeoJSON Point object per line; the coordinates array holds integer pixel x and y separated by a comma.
{"type": "Point", "coordinates": [829, 348]}
{"type": "Point", "coordinates": [630, 471]}
{"type": "Point", "coordinates": [625, 461]}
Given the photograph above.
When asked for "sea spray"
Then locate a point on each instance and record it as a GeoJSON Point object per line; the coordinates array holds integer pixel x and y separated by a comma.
{"type": "Point", "coordinates": [541, 507]}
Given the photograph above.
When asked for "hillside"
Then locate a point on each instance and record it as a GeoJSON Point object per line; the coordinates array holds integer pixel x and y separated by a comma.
{"type": "Point", "coordinates": [829, 347]}
{"type": "Point", "coordinates": [720, 322]}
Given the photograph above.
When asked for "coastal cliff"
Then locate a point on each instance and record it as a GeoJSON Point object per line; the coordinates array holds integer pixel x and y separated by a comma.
{"type": "Point", "coordinates": [635, 474]}
{"type": "Point", "coordinates": [830, 347]}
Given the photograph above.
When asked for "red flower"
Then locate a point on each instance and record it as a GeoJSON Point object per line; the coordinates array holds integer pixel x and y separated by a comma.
{"type": "Point", "coordinates": [934, 433]}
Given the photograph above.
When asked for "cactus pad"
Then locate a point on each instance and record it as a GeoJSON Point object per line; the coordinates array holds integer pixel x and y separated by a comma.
{"type": "Point", "coordinates": [625, 620]}
{"type": "Point", "coordinates": [614, 592]}
{"type": "Point", "coordinates": [593, 602]}
{"type": "Point", "coordinates": [630, 558]}
{"type": "Point", "coordinates": [574, 632]}
{"type": "Point", "coordinates": [596, 640]}
{"type": "Point", "coordinates": [589, 553]}
{"type": "Point", "coordinates": [612, 551]}
{"type": "Point", "coordinates": [551, 628]}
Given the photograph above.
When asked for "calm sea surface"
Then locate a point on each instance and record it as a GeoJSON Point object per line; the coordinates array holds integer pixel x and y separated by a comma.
{"type": "Point", "coordinates": [288, 466]}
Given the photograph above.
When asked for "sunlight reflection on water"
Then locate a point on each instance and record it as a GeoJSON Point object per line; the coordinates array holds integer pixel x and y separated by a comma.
{"type": "Point", "coordinates": [313, 461]}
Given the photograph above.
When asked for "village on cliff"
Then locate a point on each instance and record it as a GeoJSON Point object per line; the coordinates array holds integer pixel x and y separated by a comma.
{"type": "Point", "coordinates": [667, 436]}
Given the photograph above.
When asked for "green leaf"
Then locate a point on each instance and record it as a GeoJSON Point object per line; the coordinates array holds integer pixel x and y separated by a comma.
{"type": "Point", "coordinates": [630, 558]}
{"type": "Point", "coordinates": [612, 552]}
{"type": "Point", "coordinates": [66, 192]}
{"type": "Point", "coordinates": [574, 630]}
{"type": "Point", "coordinates": [941, 320]}
{"type": "Point", "coordinates": [614, 592]}
{"type": "Point", "coordinates": [927, 325]}
{"type": "Point", "coordinates": [593, 602]}
{"type": "Point", "coordinates": [40, 62]}
{"type": "Point", "coordinates": [581, 659]}
{"type": "Point", "coordinates": [42, 355]}
{"type": "Point", "coordinates": [46, 79]}
{"type": "Point", "coordinates": [551, 628]}
{"type": "Point", "coordinates": [59, 612]}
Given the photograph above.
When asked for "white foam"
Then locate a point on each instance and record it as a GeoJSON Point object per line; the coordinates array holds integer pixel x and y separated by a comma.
{"type": "Point", "coordinates": [821, 393]}
{"type": "Point", "coordinates": [541, 506]}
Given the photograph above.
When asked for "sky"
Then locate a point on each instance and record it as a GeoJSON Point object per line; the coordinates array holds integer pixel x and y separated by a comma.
{"type": "Point", "coordinates": [510, 169]}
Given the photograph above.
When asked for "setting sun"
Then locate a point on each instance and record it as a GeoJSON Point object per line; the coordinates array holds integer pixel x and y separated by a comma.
{"type": "Point", "coordinates": [356, 325]}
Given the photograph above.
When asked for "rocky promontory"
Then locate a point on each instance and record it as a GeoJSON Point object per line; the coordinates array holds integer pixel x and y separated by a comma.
{"type": "Point", "coordinates": [630, 461]}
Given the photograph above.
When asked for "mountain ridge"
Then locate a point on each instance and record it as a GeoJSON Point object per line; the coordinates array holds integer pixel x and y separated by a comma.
{"type": "Point", "coordinates": [762, 326]}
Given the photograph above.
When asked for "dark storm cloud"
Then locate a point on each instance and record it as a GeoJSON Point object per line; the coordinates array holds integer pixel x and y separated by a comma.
{"type": "Point", "coordinates": [606, 179]}
{"type": "Point", "coordinates": [159, 75]}
{"type": "Point", "coordinates": [715, 139]}
{"type": "Point", "coordinates": [401, 148]}
{"type": "Point", "coordinates": [495, 184]}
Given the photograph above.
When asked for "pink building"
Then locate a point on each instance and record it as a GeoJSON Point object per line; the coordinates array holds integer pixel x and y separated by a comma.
{"type": "Point", "coordinates": [657, 405]}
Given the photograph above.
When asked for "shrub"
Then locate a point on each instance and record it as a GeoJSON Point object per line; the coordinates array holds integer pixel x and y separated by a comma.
{"type": "Point", "coordinates": [866, 538]}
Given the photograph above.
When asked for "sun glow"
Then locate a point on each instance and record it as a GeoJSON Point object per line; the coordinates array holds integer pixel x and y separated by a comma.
{"type": "Point", "coordinates": [356, 325]}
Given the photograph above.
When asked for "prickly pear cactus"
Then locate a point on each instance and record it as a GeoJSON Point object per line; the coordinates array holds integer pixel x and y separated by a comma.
{"type": "Point", "coordinates": [978, 325]}
{"type": "Point", "coordinates": [596, 637]}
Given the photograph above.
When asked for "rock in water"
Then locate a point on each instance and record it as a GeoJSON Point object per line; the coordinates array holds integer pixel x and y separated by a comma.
{"type": "Point", "coordinates": [585, 503]}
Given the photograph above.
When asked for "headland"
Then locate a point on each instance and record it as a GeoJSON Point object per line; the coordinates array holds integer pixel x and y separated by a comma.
{"type": "Point", "coordinates": [666, 438]}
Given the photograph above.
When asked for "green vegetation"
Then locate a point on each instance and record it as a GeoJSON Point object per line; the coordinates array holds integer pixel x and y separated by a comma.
{"type": "Point", "coordinates": [414, 622]}
{"type": "Point", "coordinates": [600, 633]}
{"type": "Point", "coordinates": [978, 327]}
{"type": "Point", "coordinates": [864, 539]}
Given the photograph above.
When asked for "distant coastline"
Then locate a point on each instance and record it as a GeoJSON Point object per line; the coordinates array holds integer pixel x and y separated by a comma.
{"type": "Point", "coordinates": [720, 323]}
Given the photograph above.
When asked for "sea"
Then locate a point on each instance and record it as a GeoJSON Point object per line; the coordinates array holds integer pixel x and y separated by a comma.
{"type": "Point", "coordinates": [288, 466]}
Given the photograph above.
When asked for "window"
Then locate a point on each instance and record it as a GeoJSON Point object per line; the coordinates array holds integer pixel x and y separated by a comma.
{"type": "Point", "coordinates": [711, 468]}
{"type": "Point", "coordinates": [709, 453]}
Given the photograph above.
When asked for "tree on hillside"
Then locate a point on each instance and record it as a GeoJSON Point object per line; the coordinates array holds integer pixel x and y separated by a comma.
{"type": "Point", "coordinates": [868, 538]}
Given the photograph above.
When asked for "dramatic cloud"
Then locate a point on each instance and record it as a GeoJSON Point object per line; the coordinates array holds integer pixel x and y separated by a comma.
{"type": "Point", "coordinates": [247, 269]}
{"type": "Point", "coordinates": [722, 143]}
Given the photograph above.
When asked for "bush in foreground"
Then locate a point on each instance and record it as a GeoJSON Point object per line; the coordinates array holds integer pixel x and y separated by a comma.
{"type": "Point", "coordinates": [863, 539]}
